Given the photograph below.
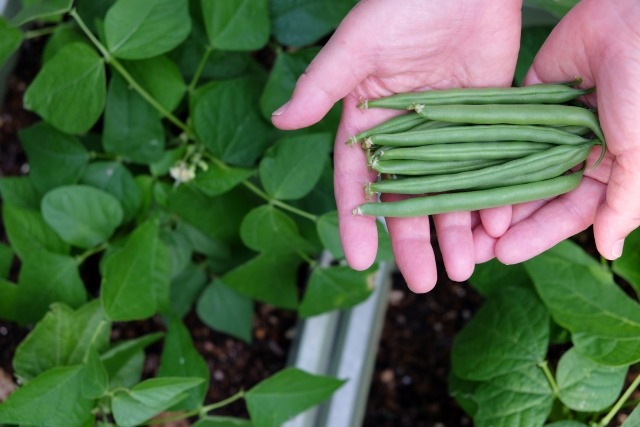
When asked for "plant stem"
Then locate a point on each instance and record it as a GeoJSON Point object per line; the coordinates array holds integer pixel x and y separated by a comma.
{"type": "Point", "coordinates": [212, 407]}
{"type": "Point", "coordinates": [103, 50]}
{"type": "Point", "coordinates": [33, 34]}
{"type": "Point", "coordinates": [280, 204]}
{"type": "Point", "coordinates": [91, 251]}
{"type": "Point", "coordinates": [544, 365]}
{"type": "Point", "coordinates": [200, 69]}
{"type": "Point", "coordinates": [620, 403]}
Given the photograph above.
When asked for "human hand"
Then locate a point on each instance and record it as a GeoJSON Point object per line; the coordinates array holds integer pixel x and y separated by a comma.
{"type": "Point", "coordinates": [599, 41]}
{"type": "Point", "coordinates": [384, 47]}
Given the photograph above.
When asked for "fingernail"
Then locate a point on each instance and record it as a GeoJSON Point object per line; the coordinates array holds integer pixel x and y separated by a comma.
{"type": "Point", "coordinates": [616, 251]}
{"type": "Point", "coordinates": [281, 110]}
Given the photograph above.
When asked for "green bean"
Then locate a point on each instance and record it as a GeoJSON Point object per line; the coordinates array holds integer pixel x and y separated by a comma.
{"type": "Point", "coordinates": [535, 94]}
{"type": "Point", "coordinates": [576, 130]}
{"type": "Point", "coordinates": [542, 165]}
{"type": "Point", "coordinates": [432, 124]}
{"type": "Point", "coordinates": [395, 124]}
{"type": "Point", "coordinates": [462, 151]}
{"type": "Point", "coordinates": [473, 200]}
{"type": "Point", "coordinates": [421, 167]}
{"type": "Point", "coordinates": [478, 133]}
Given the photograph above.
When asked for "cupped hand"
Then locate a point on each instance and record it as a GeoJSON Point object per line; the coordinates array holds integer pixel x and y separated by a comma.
{"type": "Point", "coordinates": [599, 41]}
{"type": "Point", "coordinates": [384, 47]}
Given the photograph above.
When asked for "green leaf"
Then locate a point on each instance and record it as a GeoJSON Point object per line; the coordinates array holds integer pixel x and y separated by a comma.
{"type": "Point", "coordinates": [227, 119]}
{"type": "Point", "coordinates": [96, 382]}
{"type": "Point", "coordinates": [10, 41]}
{"type": "Point", "coordinates": [303, 22]}
{"type": "Point", "coordinates": [62, 338]}
{"type": "Point", "coordinates": [61, 37]}
{"type": "Point", "coordinates": [269, 277]}
{"type": "Point", "coordinates": [6, 260]}
{"type": "Point", "coordinates": [633, 419]}
{"type": "Point", "coordinates": [328, 231]}
{"type": "Point", "coordinates": [508, 333]}
{"type": "Point", "coordinates": [179, 250]}
{"type": "Point", "coordinates": [335, 288]}
{"type": "Point", "coordinates": [8, 301]}
{"type": "Point", "coordinates": [558, 8]}
{"type": "Point", "coordinates": [46, 278]}
{"type": "Point", "coordinates": [124, 361]}
{"type": "Point", "coordinates": [221, 65]}
{"type": "Point", "coordinates": [223, 422]}
{"type": "Point", "coordinates": [627, 266]}
{"type": "Point", "coordinates": [292, 167]}
{"type": "Point", "coordinates": [55, 158]}
{"type": "Point", "coordinates": [93, 12]}
{"type": "Point", "coordinates": [267, 229]}
{"type": "Point", "coordinates": [28, 232]}
{"type": "Point", "coordinates": [583, 298]}
{"type": "Point", "coordinates": [180, 358]}
{"type": "Point", "coordinates": [161, 78]}
{"type": "Point", "coordinates": [132, 127]}
{"type": "Point", "coordinates": [149, 398]}
{"type": "Point", "coordinates": [586, 386]}
{"type": "Point", "coordinates": [141, 30]}
{"type": "Point", "coordinates": [236, 24]}
{"type": "Point", "coordinates": [20, 192]}
{"type": "Point", "coordinates": [531, 40]}
{"type": "Point", "coordinates": [218, 180]}
{"type": "Point", "coordinates": [82, 215]}
{"type": "Point", "coordinates": [115, 179]}
{"type": "Point", "coordinates": [566, 423]}
{"type": "Point", "coordinates": [53, 399]}
{"type": "Point", "coordinates": [69, 91]}
{"type": "Point", "coordinates": [287, 393]}
{"type": "Point", "coordinates": [130, 276]}
{"type": "Point", "coordinates": [520, 397]}
{"type": "Point", "coordinates": [226, 310]}
{"type": "Point", "coordinates": [492, 276]}
{"type": "Point", "coordinates": [185, 289]}
{"type": "Point", "coordinates": [41, 9]}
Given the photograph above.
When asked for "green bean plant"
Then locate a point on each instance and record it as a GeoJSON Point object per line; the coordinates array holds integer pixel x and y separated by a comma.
{"type": "Point", "coordinates": [158, 187]}
{"type": "Point", "coordinates": [555, 343]}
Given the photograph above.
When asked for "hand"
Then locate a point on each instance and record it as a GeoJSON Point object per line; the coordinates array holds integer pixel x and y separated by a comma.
{"type": "Point", "coordinates": [384, 47]}
{"type": "Point", "coordinates": [599, 41]}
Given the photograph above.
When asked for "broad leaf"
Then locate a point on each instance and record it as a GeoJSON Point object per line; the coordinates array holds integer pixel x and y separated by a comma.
{"type": "Point", "coordinates": [227, 119]}
{"type": "Point", "coordinates": [633, 419]}
{"type": "Point", "coordinates": [41, 9]}
{"type": "Point", "coordinates": [61, 37]}
{"type": "Point", "coordinates": [509, 332]}
{"type": "Point", "coordinates": [10, 40]}
{"type": "Point", "coordinates": [28, 232]}
{"type": "Point", "coordinates": [219, 179]}
{"type": "Point", "coordinates": [53, 399]}
{"type": "Point", "coordinates": [141, 30]}
{"type": "Point", "coordinates": [287, 393]}
{"type": "Point", "coordinates": [62, 338]}
{"type": "Point", "coordinates": [124, 361]}
{"type": "Point", "coordinates": [328, 231]}
{"type": "Point", "coordinates": [93, 12]}
{"type": "Point", "coordinates": [236, 24]}
{"type": "Point", "coordinates": [267, 229]}
{"type": "Point", "coordinates": [627, 265]}
{"type": "Point", "coordinates": [6, 260]}
{"type": "Point", "coordinates": [303, 22]}
{"type": "Point", "coordinates": [223, 422]}
{"type": "Point", "coordinates": [82, 215]}
{"type": "Point", "coordinates": [131, 276]}
{"type": "Point", "coordinates": [292, 167]}
{"type": "Point", "coordinates": [161, 78]}
{"type": "Point", "coordinates": [55, 158]}
{"type": "Point", "coordinates": [226, 310]}
{"type": "Point", "coordinates": [9, 301]}
{"type": "Point", "coordinates": [20, 192]}
{"type": "Point", "coordinates": [132, 127]}
{"type": "Point", "coordinates": [149, 398]}
{"type": "Point", "coordinates": [583, 298]}
{"type": "Point", "coordinates": [96, 381]}
{"type": "Point", "coordinates": [335, 288]}
{"type": "Point", "coordinates": [69, 91]}
{"type": "Point", "coordinates": [531, 40]}
{"type": "Point", "coordinates": [492, 276]}
{"type": "Point", "coordinates": [586, 386]}
{"type": "Point", "coordinates": [185, 289]}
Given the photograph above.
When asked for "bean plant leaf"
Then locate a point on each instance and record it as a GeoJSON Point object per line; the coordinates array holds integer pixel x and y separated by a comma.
{"type": "Point", "coordinates": [62, 338]}
{"type": "Point", "coordinates": [583, 298]}
{"type": "Point", "coordinates": [10, 40]}
{"type": "Point", "coordinates": [586, 386]}
{"type": "Point", "coordinates": [53, 399]}
{"type": "Point", "coordinates": [218, 179]}
{"type": "Point", "coordinates": [227, 119]}
{"type": "Point", "coordinates": [292, 167]}
{"type": "Point", "coordinates": [83, 216]}
{"type": "Point", "coordinates": [225, 310]}
{"type": "Point", "coordinates": [269, 277]}
{"type": "Point", "coordinates": [185, 289]}
{"type": "Point", "coordinates": [69, 91]}
{"type": "Point", "coordinates": [559, 8]}
{"type": "Point", "coordinates": [115, 179]}
{"type": "Point", "coordinates": [302, 22]}
{"type": "Point", "coordinates": [55, 158]}
{"type": "Point", "coordinates": [46, 278]}
{"type": "Point", "coordinates": [141, 30]}
{"type": "Point", "coordinates": [492, 276]}
{"type": "Point", "coordinates": [522, 397]}
{"type": "Point", "coordinates": [9, 301]}
{"type": "Point", "coordinates": [61, 37]}
{"type": "Point", "coordinates": [509, 332]}
{"type": "Point", "coordinates": [267, 229]}
{"type": "Point", "coordinates": [566, 423]}
{"type": "Point", "coordinates": [335, 288]}
{"type": "Point", "coordinates": [41, 9]}
{"type": "Point", "coordinates": [93, 12]}
{"type": "Point", "coordinates": [161, 78]}
{"type": "Point", "coordinates": [180, 358]}
{"type": "Point", "coordinates": [287, 393]}
{"type": "Point", "coordinates": [328, 231]}
{"type": "Point", "coordinates": [124, 361]}
{"type": "Point", "coordinates": [149, 398]}
{"type": "Point", "coordinates": [6, 260]}
{"type": "Point", "coordinates": [132, 127]}
{"type": "Point", "coordinates": [223, 422]}
{"type": "Point", "coordinates": [531, 40]}
{"type": "Point", "coordinates": [28, 232]}
{"type": "Point", "coordinates": [633, 419]}
{"type": "Point", "coordinates": [236, 24]}
{"type": "Point", "coordinates": [96, 382]}
{"type": "Point", "coordinates": [20, 192]}
{"type": "Point", "coordinates": [627, 265]}
{"type": "Point", "coordinates": [131, 276]}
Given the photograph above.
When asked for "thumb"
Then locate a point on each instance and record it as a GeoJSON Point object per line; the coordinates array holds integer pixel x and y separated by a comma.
{"type": "Point", "coordinates": [334, 73]}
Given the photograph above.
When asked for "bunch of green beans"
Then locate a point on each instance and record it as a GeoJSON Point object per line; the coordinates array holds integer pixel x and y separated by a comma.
{"type": "Point", "coordinates": [471, 149]}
